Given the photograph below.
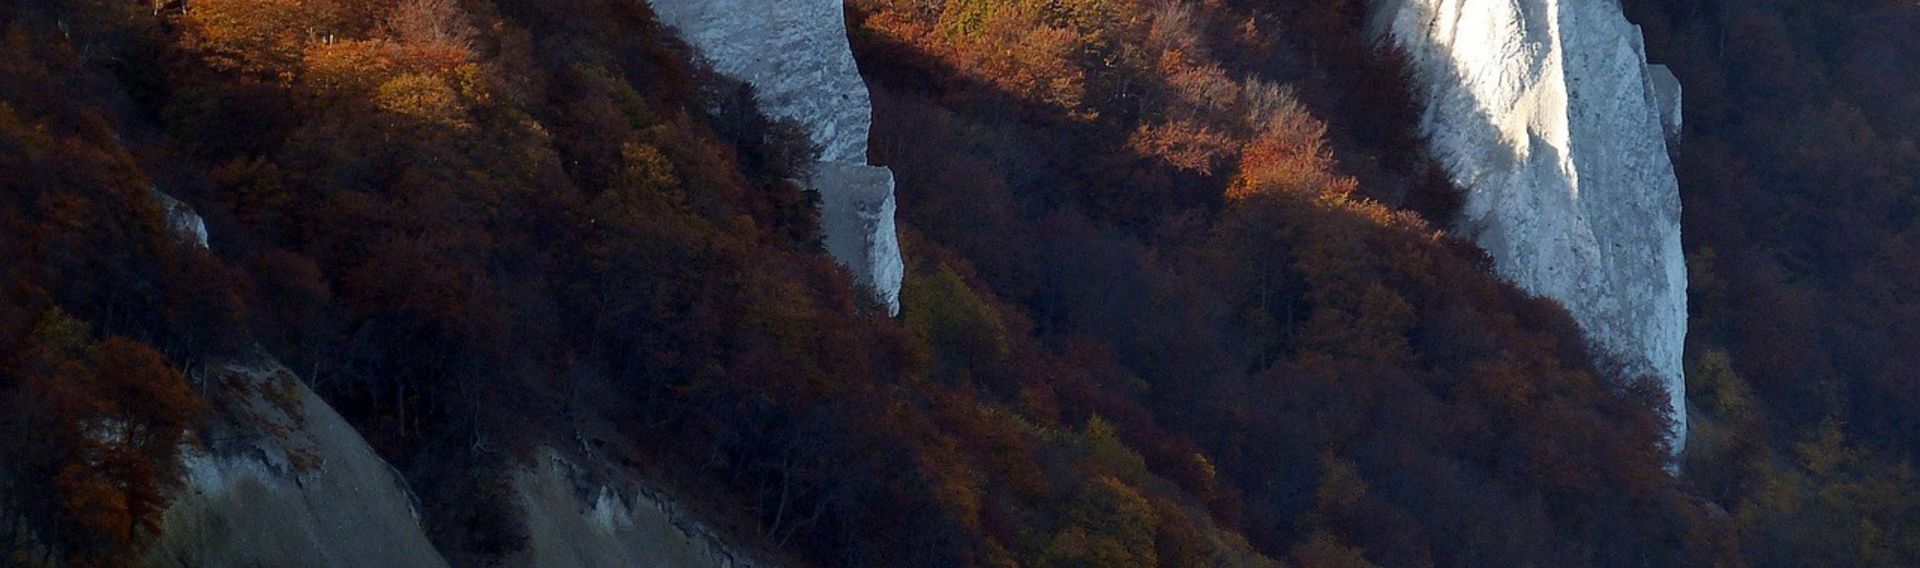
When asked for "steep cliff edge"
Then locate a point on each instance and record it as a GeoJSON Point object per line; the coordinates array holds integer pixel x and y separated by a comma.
{"type": "Point", "coordinates": [1548, 114]}
{"type": "Point", "coordinates": [285, 481]}
{"type": "Point", "coordinates": [795, 54]}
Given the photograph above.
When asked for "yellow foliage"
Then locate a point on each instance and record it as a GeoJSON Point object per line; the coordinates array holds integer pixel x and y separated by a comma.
{"type": "Point", "coordinates": [1109, 453]}
{"type": "Point", "coordinates": [1825, 451]}
{"type": "Point", "coordinates": [1209, 475]}
{"type": "Point", "coordinates": [423, 97]}
{"type": "Point", "coordinates": [1110, 526]}
{"type": "Point", "coordinates": [962, 328]}
{"type": "Point", "coordinates": [1716, 387]}
{"type": "Point", "coordinates": [472, 83]}
{"type": "Point", "coordinates": [970, 17]}
{"type": "Point", "coordinates": [353, 67]}
{"type": "Point", "coordinates": [643, 166]}
{"type": "Point", "coordinates": [956, 489]}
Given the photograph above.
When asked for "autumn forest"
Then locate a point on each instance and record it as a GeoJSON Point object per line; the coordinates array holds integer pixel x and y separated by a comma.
{"type": "Point", "coordinates": [1180, 286]}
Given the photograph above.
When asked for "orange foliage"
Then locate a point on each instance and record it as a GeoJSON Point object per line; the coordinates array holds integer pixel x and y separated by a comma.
{"type": "Point", "coordinates": [263, 38]}
{"type": "Point", "coordinates": [1289, 155]}
{"type": "Point", "coordinates": [1184, 144]}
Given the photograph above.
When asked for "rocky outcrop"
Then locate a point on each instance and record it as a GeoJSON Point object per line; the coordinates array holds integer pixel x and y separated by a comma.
{"type": "Point", "coordinates": [1547, 113]}
{"type": "Point", "coordinates": [574, 523]}
{"type": "Point", "coordinates": [795, 54]}
{"type": "Point", "coordinates": [285, 481]}
{"type": "Point", "coordinates": [180, 218]}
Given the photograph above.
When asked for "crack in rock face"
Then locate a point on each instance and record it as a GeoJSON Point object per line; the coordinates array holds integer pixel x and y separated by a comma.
{"type": "Point", "coordinates": [795, 54]}
{"type": "Point", "coordinates": [1548, 115]}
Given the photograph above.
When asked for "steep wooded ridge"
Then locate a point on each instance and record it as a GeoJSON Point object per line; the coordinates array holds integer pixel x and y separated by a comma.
{"type": "Point", "coordinates": [537, 287]}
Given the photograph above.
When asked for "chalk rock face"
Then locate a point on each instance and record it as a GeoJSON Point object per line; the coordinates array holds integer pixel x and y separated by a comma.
{"type": "Point", "coordinates": [573, 523]}
{"type": "Point", "coordinates": [181, 219]}
{"type": "Point", "coordinates": [795, 54]}
{"type": "Point", "coordinates": [1547, 113]}
{"type": "Point", "coordinates": [285, 481]}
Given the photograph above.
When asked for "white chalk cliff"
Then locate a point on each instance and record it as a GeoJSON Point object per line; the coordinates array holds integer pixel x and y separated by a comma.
{"type": "Point", "coordinates": [795, 54]}
{"type": "Point", "coordinates": [285, 481]}
{"type": "Point", "coordinates": [1548, 114]}
{"type": "Point", "coordinates": [573, 522]}
{"type": "Point", "coordinates": [180, 218]}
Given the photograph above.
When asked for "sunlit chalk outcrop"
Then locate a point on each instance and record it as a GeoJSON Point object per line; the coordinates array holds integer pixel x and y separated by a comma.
{"type": "Point", "coordinates": [1548, 114]}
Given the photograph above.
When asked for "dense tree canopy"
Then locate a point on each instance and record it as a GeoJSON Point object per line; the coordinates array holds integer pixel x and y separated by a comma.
{"type": "Point", "coordinates": [1799, 172]}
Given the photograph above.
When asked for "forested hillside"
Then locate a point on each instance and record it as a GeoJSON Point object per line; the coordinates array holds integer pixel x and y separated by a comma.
{"type": "Point", "coordinates": [1151, 179]}
{"type": "Point", "coordinates": [1178, 290]}
{"type": "Point", "coordinates": [1801, 180]}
